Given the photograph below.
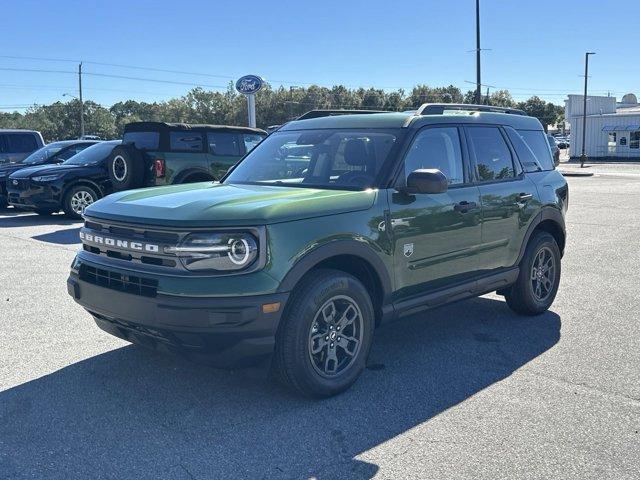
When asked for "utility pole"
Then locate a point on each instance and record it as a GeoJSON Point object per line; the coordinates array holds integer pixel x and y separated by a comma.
{"type": "Point", "coordinates": [80, 98]}
{"type": "Point", "coordinates": [583, 157]}
{"type": "Point", "coordinates": [478, 80]}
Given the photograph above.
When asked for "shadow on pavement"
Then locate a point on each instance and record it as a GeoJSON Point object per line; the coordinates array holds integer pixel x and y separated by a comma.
{"type": "Point", "coordinates": [12, 218]}
{"type": "Point", "coordinates": [131, 413]}
{"type": "Point", "coordinates": [68, 236]}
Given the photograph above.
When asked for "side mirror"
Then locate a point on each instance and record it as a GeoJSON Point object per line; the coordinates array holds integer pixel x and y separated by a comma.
{"type": "Point", "coordinates": [427, 180]}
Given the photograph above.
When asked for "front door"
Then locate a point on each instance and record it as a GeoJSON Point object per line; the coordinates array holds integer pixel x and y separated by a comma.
{"type": "Point", "coordinates": [508, 197]}
{"type": "Point", "coordinates": [435, 237]}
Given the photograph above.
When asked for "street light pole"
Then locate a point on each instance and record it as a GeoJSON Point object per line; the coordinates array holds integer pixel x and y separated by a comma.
{"type": "Point", "coordinates": [478, 81]}
{"type": "Point", "coordinates": [80, 98]}
{"type": "Point", "coordinates": [583, 157]}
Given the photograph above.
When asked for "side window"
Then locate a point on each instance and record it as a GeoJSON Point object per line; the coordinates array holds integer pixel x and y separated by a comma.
{"type": "Point", "coordinates": [493, 157]}
{"type": "Point", "coordinates": [70, 152]}
{"type": "Point", "coordinates": [535, 139]}
{"type": "Point", "coordinates": [251, 140]}
{"type": "Point", "coordinates": [3, 144]}
{"type": "Point", "coordinates": [436, 148]}
{"type": "Point", "coordinates": [185, 141]}
{"type": "Point", "coordinates": [21, 143]}
{"type": "Point", "coordinates": [528, 159]}
{"type": "Point", "coordinates": [223, 144]}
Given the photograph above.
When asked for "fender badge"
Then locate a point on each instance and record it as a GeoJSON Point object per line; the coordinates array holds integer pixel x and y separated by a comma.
{"type": "Point", "coordinates": [408, 249]}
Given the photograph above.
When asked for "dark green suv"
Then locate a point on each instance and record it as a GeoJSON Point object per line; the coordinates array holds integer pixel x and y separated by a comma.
{"type": "Point", "coordinates": [330, 227]}
{"type": "Point", "coordinates": [158, 153]}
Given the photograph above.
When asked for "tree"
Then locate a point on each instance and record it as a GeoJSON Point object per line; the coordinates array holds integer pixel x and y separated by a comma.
{"type": "Point", "coordinates": [273, 107]}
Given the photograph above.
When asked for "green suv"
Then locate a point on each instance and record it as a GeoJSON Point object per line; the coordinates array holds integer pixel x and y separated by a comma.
{"type": "Point", "coordinates": [327, 229]}
{"type": "Point", "coordinates": [158, 153]}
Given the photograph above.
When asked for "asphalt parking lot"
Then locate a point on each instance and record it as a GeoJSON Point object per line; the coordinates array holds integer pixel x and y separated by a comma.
{"type": "Point", "coordinates": [465, 391]}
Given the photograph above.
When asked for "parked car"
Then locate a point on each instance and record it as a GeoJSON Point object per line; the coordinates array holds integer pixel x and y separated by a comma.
{"type": "Point", "coordinates": [555, 150]}
{"type": "Point", "coordinates": [562, 142]}
{"type": "Point", "coordinates": [155, 153]}
{"type": "Point", "coordinates": [17, 144]}
{"type": "Point", "coordinates": [394, 213]}
{"type": "Point", "coordinates": [70, 186]}
{"type": "Point", "coordinates": [51, 154]}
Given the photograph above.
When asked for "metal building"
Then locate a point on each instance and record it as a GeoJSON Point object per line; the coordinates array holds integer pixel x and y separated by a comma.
{"type": "Point", "coordinates": [613, 128]}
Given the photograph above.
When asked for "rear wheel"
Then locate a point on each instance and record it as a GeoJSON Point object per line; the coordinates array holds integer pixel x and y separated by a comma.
{"type": "Point", "coordinates": [537, 284]}
{"type": "Point", "coordinates": [324, 338]}
{"type": "Point", "coordinates": [77, 199]}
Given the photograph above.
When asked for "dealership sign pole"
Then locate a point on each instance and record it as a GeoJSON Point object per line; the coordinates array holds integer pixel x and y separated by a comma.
{"type": "Point", "coordinates": [249, 85]}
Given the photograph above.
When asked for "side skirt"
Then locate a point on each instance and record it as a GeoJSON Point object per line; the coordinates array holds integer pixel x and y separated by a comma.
{"type": "Point", "coordinates": [455, 293]}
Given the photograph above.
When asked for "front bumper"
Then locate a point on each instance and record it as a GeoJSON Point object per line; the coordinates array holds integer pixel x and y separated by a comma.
{"type": "Point", "coordinates": [32, 195]}
{"type": "Point", "coordinates": [223, 331]}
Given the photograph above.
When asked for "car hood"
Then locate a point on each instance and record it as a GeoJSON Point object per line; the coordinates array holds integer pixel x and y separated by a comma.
{"type": "Point", "coordinates": [43, 170]}
{"type": "Point", "coordinates": [209, 204]}
{"type": "Point", "coordinates": [6, 170]}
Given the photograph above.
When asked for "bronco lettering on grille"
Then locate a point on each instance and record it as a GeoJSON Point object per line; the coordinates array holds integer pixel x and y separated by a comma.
{"type": "Point", "coordinates": [115, 242]}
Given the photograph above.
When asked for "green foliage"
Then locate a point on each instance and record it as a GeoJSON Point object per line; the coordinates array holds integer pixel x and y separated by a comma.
{"type": "Point", "coordinates": [60, 120]}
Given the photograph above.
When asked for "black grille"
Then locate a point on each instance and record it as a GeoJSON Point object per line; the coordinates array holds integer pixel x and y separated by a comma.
{"type": "Point", "coordinates": [21, 185]}
{"type": "Point", "coordinates": [116, 281]}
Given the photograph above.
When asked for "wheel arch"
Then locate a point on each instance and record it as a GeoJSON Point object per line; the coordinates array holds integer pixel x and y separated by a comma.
{"type": "Point", "coordinates": [83, 182]}
{"type": "Point", "coordinates": [549, 220]}
{"type": "Point", "coordinates": [354, 258]}
{"type": "Point", "coordinates": [199, 174]}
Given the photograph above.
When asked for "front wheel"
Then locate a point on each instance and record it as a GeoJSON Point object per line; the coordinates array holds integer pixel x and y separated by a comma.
{"type": "Point", "coordinates": [324, 338]}
{"type": "Point", "coordinates": [77, 199]}
{"type": "Point", "coordinates": [537, 284]}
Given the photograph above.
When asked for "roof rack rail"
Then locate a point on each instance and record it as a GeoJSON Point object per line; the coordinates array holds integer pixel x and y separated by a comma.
{"type": "Point", "coordinates": [439, 108]}
{"type": "Point", "coordinates": [329, 113]}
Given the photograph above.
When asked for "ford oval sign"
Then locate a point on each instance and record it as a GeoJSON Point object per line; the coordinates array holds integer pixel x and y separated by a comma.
{"type": "Point", "coordinates": [249, 84]}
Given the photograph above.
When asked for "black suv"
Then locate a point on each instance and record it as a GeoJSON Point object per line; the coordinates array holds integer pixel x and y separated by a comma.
{"type": "Point", "coordinates": [70, 186]}
{"type": "Point", "coordinates": [51, 154]}
{"type": "Point", "coordinates": [157, 153]}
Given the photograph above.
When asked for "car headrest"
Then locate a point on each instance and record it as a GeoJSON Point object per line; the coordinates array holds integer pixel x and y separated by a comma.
{"type": "Point", "coordinates": [355, 152]}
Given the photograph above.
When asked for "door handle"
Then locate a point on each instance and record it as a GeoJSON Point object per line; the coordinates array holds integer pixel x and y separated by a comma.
{"type": "Point", "coordinates": [464, 206]}
{"type": "Point", "coordinates": [524, 197]}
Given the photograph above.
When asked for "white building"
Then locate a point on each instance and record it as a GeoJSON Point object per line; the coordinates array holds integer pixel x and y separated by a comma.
{"type": "Point", "coordinates": [613, 128]}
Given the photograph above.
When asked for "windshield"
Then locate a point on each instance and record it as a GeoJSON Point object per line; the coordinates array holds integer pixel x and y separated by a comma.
{"type": "Point", "coordinates": [43, 154]}
{"type": "Point", "coordinates": [340, 159]}
{"type": "Point", "coordinates": [92, 155]}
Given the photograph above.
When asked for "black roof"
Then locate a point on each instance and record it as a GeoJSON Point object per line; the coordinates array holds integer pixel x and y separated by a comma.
{"type": "Point", "coordinates": [145, 126]}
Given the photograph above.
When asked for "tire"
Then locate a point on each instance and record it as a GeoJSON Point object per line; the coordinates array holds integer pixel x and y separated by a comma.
{"type": "Point", "coordinates": [77, 199]}
{"type": "Point", "coordinates": [45, 212]}
{"type": "Point", "coordinates": [331, 369]}
{"type": "Point", "coordinates": [126, 166]}
{"type": "Point", "coordinates": [534, 292]}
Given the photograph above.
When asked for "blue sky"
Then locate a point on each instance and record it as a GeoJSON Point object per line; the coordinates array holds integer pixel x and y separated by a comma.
{"type": "Point", "coordinates": [537, 47]}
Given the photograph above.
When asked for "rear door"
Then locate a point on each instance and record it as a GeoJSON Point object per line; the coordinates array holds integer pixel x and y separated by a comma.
{"type": "Point", "coordinates": [436, 237]}
{"type": "Point", "coordinates": [507, 196]}
{"type": "Point", "coordinates": [224, 151]}
{"type": "Point", "coordinates": [187, 155]}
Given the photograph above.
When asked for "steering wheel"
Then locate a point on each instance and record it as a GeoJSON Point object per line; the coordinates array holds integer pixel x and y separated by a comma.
{"type": "Point", "coordinates": [355, 179]}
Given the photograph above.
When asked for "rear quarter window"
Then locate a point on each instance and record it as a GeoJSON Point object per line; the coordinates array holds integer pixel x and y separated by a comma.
{"type": "Point", "coordinates": [186, 141]}
{"type": "Point", "coordinates": [537, 142]}
{"type": "Point", "coordinates": [143, 140]}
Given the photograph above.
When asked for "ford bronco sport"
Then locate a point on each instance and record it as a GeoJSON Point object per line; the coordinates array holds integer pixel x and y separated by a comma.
{"type": "Point", "coordinates": [157, 153]}
{"type": "Point", "coordinates": [330, 227]}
